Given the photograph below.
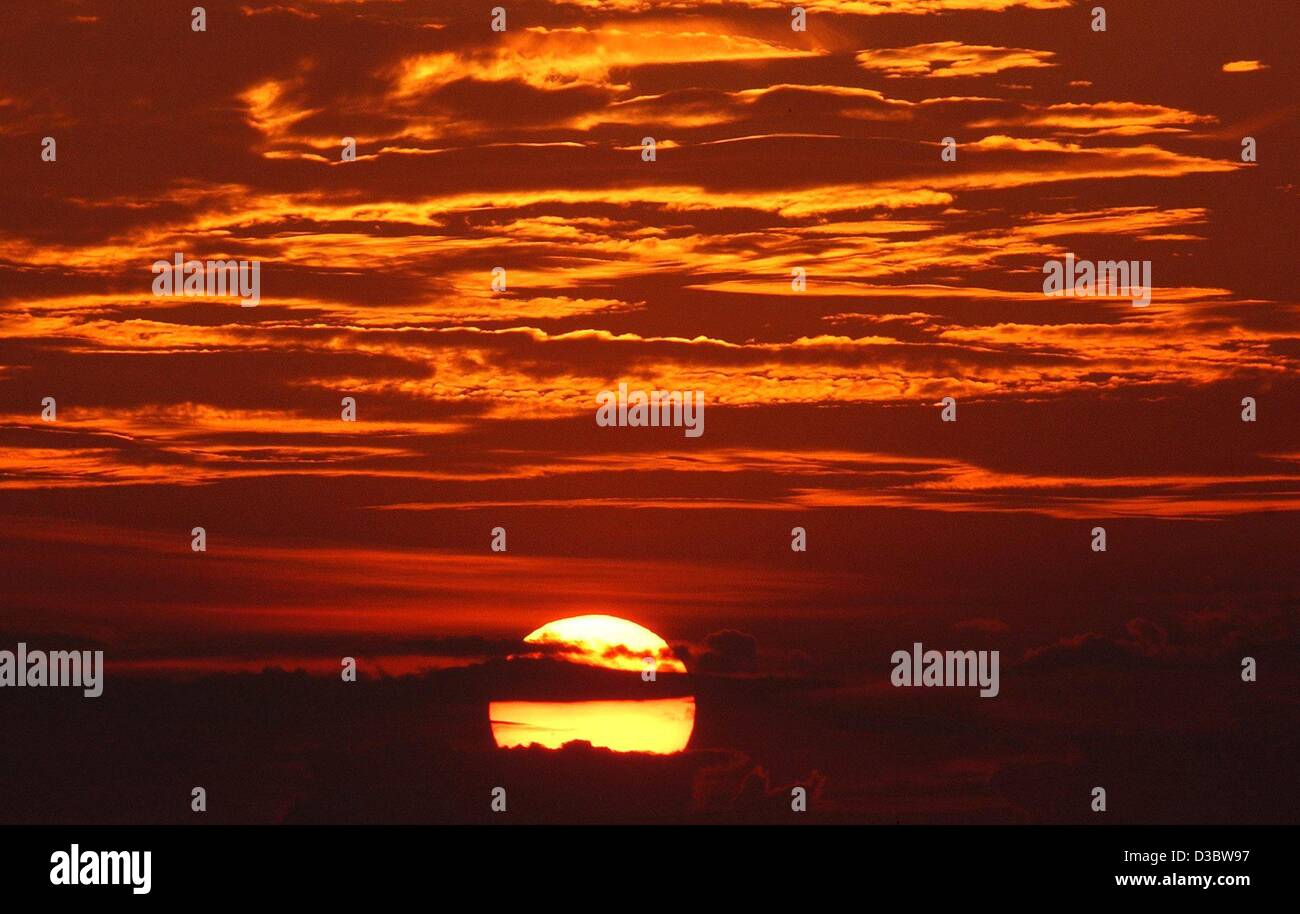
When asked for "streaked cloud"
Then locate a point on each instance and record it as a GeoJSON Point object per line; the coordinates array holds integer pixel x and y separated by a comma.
{"type": "Point", "coordinates": [1244, 66]}
{"type": "Point", "coordinates": [945, 59]}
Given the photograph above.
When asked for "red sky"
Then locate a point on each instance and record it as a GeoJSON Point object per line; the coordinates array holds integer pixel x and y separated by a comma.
{"type": "Point", "coordinates": [776, 150]}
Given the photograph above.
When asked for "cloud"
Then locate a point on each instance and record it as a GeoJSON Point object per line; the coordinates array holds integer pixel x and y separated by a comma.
{"type": "Point", "coordinates": [1244, 66]}
{"type": "Point", "coordinates": [945, 59]}
{"type": "Point", "coordinates": [728, 651]}
{"type": "Point", "coordinates": [840, 7]}
{"type": "Point", "coordinates": [1187, 638]}
{"type": "Point", "coordinates": [555, 58]}
{"type": "Point", "coordinates": [1117, 118]}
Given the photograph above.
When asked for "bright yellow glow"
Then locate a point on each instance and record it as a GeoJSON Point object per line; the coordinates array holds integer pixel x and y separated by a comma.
{"type": "Point", "coordinates": [606, 641]}
{"type": "Point", "coordinates": [661, 726]}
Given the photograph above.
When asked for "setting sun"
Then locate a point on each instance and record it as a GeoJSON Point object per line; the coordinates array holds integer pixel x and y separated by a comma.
{"type": "Point", "coordinates": [659, 725]}
{"type": "Point", "coordinates": [606, 641]}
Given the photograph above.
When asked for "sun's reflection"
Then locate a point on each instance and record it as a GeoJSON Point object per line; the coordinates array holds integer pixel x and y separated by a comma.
{"type": "Point", "coordinates": [661, 726]}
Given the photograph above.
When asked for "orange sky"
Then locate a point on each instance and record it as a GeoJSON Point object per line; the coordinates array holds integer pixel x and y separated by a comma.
{"type": "Point", "coordinates": [777, 150]}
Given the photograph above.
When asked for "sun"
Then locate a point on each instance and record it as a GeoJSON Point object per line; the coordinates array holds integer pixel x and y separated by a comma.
{"type": "Point", "coordinates": [656, 725]}
{"type": "Point", "coordinates": [606, 641]}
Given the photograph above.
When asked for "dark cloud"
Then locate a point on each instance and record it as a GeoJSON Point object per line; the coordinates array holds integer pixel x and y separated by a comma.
{"type": "Point", "coordinates": [728, 651]}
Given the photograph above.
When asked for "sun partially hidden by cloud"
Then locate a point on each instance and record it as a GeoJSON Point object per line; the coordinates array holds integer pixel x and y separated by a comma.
{"type": "Point", "coordinates": [659, 725]}
{"type": "Point", "coordinates": [606, 641]}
